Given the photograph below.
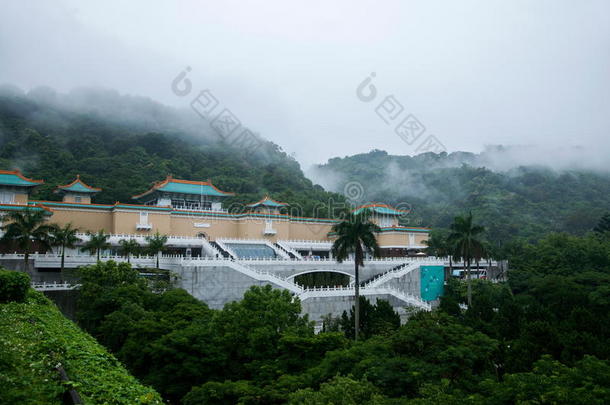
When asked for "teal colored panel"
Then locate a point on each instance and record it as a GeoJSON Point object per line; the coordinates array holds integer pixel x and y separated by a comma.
{"type": "Point", "coordinates": [184, 188]}
{"type": "Point", "coordinates": [432, 282]}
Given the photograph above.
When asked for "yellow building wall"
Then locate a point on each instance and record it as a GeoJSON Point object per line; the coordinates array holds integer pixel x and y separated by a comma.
{"type": "Point", "coordinates": [254, 228]}
{"type": "Point", "coordinates": [393, 239]}
{"type": "Point", "coordinates": [161, 222]}
{"type": "Point", "coordinates": [218, 227]}
{"type": "Point", "coordinates": [251, 228]}
{"type": "Point", "coordinates": [420, 238]}
{"type": "Point", "coordinates": [401, 239]}
{"type": "Point", "coordinates": [21, 198]}
{"type": "Point", "coordinates": [84, 199]}
{"type": "Point", "coordinates": [124, 222]}
{"type": "Point", "coordinates": [84, 220]}
{"type": "Point", "coordinates": [283, 230]}
{"type": "Point", "coordinates": [309, 231]}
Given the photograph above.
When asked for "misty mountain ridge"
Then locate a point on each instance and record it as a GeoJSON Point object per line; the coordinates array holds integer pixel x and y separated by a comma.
{"type": "Point", "coordinates": [122, 110]}
{"type": "Point", "coordinates": [123, 144]}
{"type": "Point", "coordinates": [523, 201]}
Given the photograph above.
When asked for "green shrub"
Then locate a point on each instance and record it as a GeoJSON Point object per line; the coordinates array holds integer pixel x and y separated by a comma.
{"type": "Point", "coordinates": [14, 286]}
{"type": "Point", "coordinates": [35, 338]}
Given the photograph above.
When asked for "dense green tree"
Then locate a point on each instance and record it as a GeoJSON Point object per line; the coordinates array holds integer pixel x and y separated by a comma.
{"type": "Point", "coordinates": [551, 382]}
{"type": "Point", "coordinates": [97, 242]}
{"type": "Point", "coordinates": [603, 226]}
{"type": "Point", "coordinates": [439, 245]}
{"type": "Point", "coordinates": [130, 247]}
{"type": "Point", "coordinates": [156, 244]}
{"type": "Point", "coordinates": [526, 201]}
{"type": "Point", "coordinates": [25, 228]}
{"type": "Point", "coordinates": [375, 319]}
{"type": "Point", "coordinates": [466, 244]}
{"type": "Point", "coordinates": [436, 244]}
{"type": "Point", "coordinates": [250, 329]}
{"type": "Point", "coordinates": [64, 237]}
{"type": "Point", "coordinates": [125, 156]}
{"type": "Point", "coordinates": [339, 391]}
{"type": "Point", "coordinates": [356, 235]}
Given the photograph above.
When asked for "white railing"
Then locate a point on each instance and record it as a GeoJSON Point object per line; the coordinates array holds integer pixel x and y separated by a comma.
{"type": "Point", "coordinates": [224, 241]}
{"type": "Point", "coordinates": [320, 292]}
{"type": "Point", "coordinates": [259, 275]}
{"type": "Point", "coordinates": [309, 244]}
{"type": "Point", "coordinates": [242, 240]}
{"type": "Point", "coordinates": [393, 273]}
{"type": "Point", "coordinates": [281, 281]}
{"type": "Point", "coordinates": [289, 249]}
{"type": "Point", "coordinates": [198, 208]}
{"type": "Point", "coordinates": [139, 236]}
{"type": "Point", "coordinates": [226, 249]}
{"type": "Point", "coordinates": [211, 248]}
{"type": "Point", "coordinates": [54, 286]}
{"type": "Point", "coordinates": [305, 261]}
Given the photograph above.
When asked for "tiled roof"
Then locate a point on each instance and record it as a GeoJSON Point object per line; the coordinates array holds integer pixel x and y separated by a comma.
{"type": "Point", "coordinates": [267, 202]}
{"type": "Point", "coordinates": [380, 208]}
{"type": "Point", "coordinates": [20, 207]}
{"type": "Point", "coordinates": [171, 185]}
{"type": "Point", "coordinates": [15, 178]}
{"type": "Point", "coordinates": [78, 186]}
{"type": "Point", "coordinates": [404, 229]}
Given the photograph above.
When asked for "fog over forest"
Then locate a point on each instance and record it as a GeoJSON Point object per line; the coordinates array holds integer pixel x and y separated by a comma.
{"type": "Point", "coordinates": [474, 74]}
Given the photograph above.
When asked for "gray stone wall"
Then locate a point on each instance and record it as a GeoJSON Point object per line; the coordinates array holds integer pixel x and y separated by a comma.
{"type": "Point", "coordinates": [320, 307]}
{"type": "Point", "coordinates": [216, 285]}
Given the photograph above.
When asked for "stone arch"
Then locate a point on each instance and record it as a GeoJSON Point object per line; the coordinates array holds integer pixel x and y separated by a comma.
{"type": "Point", "coordinates": [291, 277]}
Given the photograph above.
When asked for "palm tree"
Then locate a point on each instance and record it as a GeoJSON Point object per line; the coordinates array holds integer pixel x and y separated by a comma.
{"type": "Point", "coordinates": [156, 244]}
{"type": "Point", "coordinates": [64, 238]}
{"type": "Point", "coordinates": [96, 243]}
{"type": "Point", "coordinates": [436, 245]}
{"type": "Point", "coordinates": [465, 239]}
{"type": "Point", "coordinates": [355, 235]}
{"type": "Point", "coordinates": [24, 228]}
{"type": "Point", "coordinates": [129, 247]}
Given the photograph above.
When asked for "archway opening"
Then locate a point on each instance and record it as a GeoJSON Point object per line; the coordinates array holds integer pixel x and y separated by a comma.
{"type": "Point", "coordinates": [322, 279]}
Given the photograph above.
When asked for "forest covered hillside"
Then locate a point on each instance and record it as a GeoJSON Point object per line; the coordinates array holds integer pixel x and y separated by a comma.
{"type": "Point", "coordinates": [36, 339]}
{"type": "Point", "coordinates": [123, 144]}
{"type": "Point", "coordinates": [523, 201]}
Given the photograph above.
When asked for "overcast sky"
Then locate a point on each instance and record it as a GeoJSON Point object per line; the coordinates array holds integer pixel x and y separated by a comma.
{"type": "Point", "coordinates": [473, 72]}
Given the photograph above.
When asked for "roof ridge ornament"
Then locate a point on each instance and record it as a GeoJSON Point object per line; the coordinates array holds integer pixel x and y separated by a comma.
{"type": "Point", "coordinates": [77, 186]}
{"type": "Point", "coordinates": [173, 185]}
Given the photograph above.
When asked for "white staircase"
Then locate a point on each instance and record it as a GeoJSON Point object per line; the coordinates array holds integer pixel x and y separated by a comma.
{"type": "Point", "coordinates": [289, 249]}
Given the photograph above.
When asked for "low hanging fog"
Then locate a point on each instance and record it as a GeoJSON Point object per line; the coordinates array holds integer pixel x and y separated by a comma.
{"type": "Point", "coordinates": [530, 76]}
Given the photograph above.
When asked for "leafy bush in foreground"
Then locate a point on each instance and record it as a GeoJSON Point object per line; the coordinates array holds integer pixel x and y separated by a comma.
{"type": "Point", "coordinates": [35, 338]}
{"type": "Point", "coordinates": [13, 286]}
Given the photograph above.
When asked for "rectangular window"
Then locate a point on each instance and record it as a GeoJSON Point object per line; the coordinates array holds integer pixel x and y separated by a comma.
{"type": "Point", "coordinates": [7, 197]}
{"type": "Point", "coordinates": [78, 198]}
